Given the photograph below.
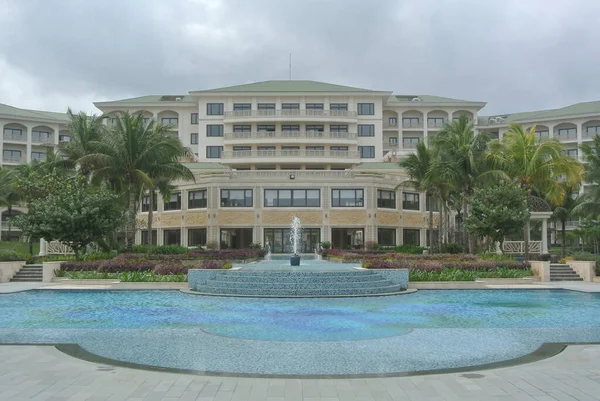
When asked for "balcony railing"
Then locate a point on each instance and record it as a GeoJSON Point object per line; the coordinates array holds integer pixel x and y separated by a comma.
{"type": "Point", "coordinates": [242, 154]}
{"type": "Point", "coordinates": [18, 138]}
{"type": "Point", "coordinates": [406, 124]}
{"type": "Point", "coordinates": [566, 137]}
{"type": "Point", "coordinates": [409, 145]}
{"type": "Point", "coordinates": [285, 174]}
{"type": "Point", "coordinates": [11, 159]}
{"type": "Point", "coordinates": [589, 135]}
{"type": "Point", "coordinates": [42, 140]}
{"type": "Point", "coordinates": [290, 134]}
{"type": "Point", "coordinates": [12, 226]}
{"type": "Point", "coordinates": [291, 113]}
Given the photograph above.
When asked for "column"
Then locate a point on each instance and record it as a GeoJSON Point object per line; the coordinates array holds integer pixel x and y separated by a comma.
{"type": "Point", "coordinates": [1, 145]}
{"type": "Point", "coordinates": [425, 128]}
{"type": "Point", "coordinates": [43, 245]}
{"type": "Point", "coordinates": [544, 235]}
{"type": "Point", "coordinates": [28, 156]}
{"type": "Point", "coordinates": [579, 134]}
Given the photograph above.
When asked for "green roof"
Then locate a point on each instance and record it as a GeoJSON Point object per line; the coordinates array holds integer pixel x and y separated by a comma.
{"type": "Point", "coordinates": [149, 99]}
{"type": "Point", "coordinates": [204, 166]}
{"type": "Point", "coordinates": [32, 114]}
{"type": "Point", "coordinates": [572, 110]}
{"type": "Point", "coordinates": [377, 166]}
{"type": "Point", "coordinates": [288, 86]}
{"type": "Point", "coordinates": [426, 99]}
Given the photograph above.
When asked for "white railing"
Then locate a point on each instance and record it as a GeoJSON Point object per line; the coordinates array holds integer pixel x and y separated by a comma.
{"type": "Point", "coordinates": [8, 159]}
{"type": "Point", "coordinates": [58, 248]}
{"type": "Point", "coordinates": [290, 135]}
{"type": "Point", "coordinates": [435, 124]}
{"type": "Point", "coordinates": [18, 138]}
{"type": "Point", "coordinates": [570, 225]}
{"type": "Point", "coordinates": [567, 137]}
{"type": "Point", "coordinates": [291, 113]}
{"type": "Point", "coordinates": [241, 154]}
{"type": "Point", "coordinates": [285, 174]}
{"type": "Point", "coordinates": [409, 145]}
{"type": "Point", "coordinates": [406, 124]}
{"type": "Point", "coordinates": [12, 226]}
{"type": "Point", "coordinates": [519, 247]}
{"type": "Point", "coordinates": [42, 140]}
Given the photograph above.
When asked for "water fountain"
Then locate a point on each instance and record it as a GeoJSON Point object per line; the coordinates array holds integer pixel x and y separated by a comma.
{"type": "Point", "coordinates": [295, 238]}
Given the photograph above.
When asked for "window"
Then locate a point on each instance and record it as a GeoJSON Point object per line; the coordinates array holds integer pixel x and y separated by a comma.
{"type": "Point", "coordinates": [347, 197]}
{"type": "Point", "coordinates": [214, 109]}
{"type": "Point", "coordinates": [435, 121]}
{"type": "Point", "coordinates": [411, 237]}
{"type": "Point", "coordinates": [194, 118]}
{"type": "Point", "coordinates": [265, 148]}
{"type": "Point", "coordinates": [338, 106]}
{"type": "Point", "coordinates": [314, 106]}
{"type": "Point", "coordinates": [174, 202]}
{"type": "Point", "coordinates": [197, 199]}
{"type": "Point", "coordinates": [145, 120]}
{"type": "Point", "coordinates": [593, 130]}
{"type": "Point", "coordinates": [197, 237]}
{"type": "Point", "coordinates": [242, 128]}
{"type": "Point", "coordinates": [567, 132]}
{"type": "Point", "coordinates": [367, 152]}
{"type": "Point", "coordinates": [267, 128]}
{"type": "Point", "coordinates": [214, 152]}
{"type": "Point", "coordinates": [542, 134]}
{"type": "Point", "coordinates": [64, 138]}
{"type": "Point", "coordinates": [194, 138]}
{"type": "Point", "coordinates": [290, 128]}
{"type": "Point", "coordinates": [392, 121]}
{"type": "Point", "coordinates": [410, 201]}
{"type": "Point", "coordinates": [338, 128]}
{"type": "Point", "coordinates": [172, 237]}
{"type": "Point", "coordinates": [11, 154]}
{"type": "Point", "coordinates": [572, 152]}
{"type": "Point", "coordinates": [432, 203]}
{"type": "Point", "coordinates": [41, 156]}
{"type": "Point", "coordinates": [410, 142]}
{"type": "Point", "coordinates": [236, 198]}
{"type": "Point", "coordinates": [366, 130]}
{"type": "Point", "coordinates": [290, 106]}
{"type": "Point", "coordinates": [40, 136]}
{"type": "Point", "coordinates": [13, 132]}
{"type": "Point", "coordinates": [292, 198]}
{"type": "Point", "coordinates": [366, 109]}
{"type": "Point", "coordinates": [266, 106]}
{"type": "Point", "coordinates": [339, 148]}
{"type": "Point", "coordinates": [214, 130]}
{"type": "Point", "coordinates": [410, 122]}
{"type": "Point", "coordinates": [146, 203]}
{"type": "Point", "coordinates": [242, 107]}
{"type": "Point", "coordinates": [170, 120]}
{"type": "Point", "coordinates": [290, 148]}
{"type": "Point", "coordinates": [145, 237]}
{"type": "Point", "coordinates": [242, 148]}
{"type": "Point", "coordinates": [393, 140]}
{"type": "Point", "coordinates": [315, 148]}
{"type": "Point", "coordinates": [386, 199]}
{"type": "Point", "coordinates": [386, 236]}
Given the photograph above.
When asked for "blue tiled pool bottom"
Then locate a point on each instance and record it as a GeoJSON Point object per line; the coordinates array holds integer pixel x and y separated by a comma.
{"type": "Point", "coordinates": [421, 331]}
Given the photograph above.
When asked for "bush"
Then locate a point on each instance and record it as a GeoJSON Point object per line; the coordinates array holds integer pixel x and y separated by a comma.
{"type": "Point", "coordinates": [412, 249]}
{"type": "Point", "coordinates": [452, 248]}
{"type": "Point", "coordinates": [11, 257]}
{"type": "Point", "coordinates": [255, 246]}
{"type": "Point", "coordinates": [77, 266]}
{"type": "Point", "coordinates": [126, 263]}
{"type": "Point", "coordinates": [161, 250]}
{"type": "Point", "coordinates": [214, 264]}
{"type": "Point", "coordinates": [326, 245]}
{"type": "Point", "coordinates": [166, 267]}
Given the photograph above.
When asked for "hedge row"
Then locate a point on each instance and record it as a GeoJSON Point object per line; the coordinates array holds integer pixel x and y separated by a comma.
{"type": "Point", "coordinates": [386, 255]}
{"type": "Point", "coordinates": [441, 265]}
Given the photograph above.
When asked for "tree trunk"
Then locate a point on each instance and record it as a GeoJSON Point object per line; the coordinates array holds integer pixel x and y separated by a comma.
{"type": "Point", "coordinates": [466, 235]}
{"type": "Point", "coordinates": [440, 226]}
{"type": "Point", "coordinates": [563, 232]}
{"type": "Point", "coordinates": [150, 218]}
{"type": "Point", "coordinates": [130, 228]}
{"type": "Point", "coordinates": [9, 219]}
{"type": "Point", "coordinates": [526, 233]}
{"type": "Point", "coordinates": [427, 196]}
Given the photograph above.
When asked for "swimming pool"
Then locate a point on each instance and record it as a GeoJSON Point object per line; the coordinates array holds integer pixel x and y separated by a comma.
{"type": "Point", "coordinates": [421, 331]}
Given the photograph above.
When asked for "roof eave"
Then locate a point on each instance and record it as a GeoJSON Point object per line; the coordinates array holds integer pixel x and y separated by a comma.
{"type": "Point", "coordinates": [479, 105]}
{"type": "Point", "coordinates": [291, 93]}
{"type": "Point", "coordinates": [537, 120]}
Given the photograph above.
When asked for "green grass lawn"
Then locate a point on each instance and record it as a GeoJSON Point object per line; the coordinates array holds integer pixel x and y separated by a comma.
{"type": "Point", "coordinates": [19, 247]}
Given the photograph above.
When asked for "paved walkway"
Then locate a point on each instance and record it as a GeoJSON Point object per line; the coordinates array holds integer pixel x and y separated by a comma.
{"type": "Point", "coordinates": [44, 373]}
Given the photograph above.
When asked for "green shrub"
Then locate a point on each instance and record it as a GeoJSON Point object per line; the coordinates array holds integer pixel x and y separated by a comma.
{"type": "Point", "coordinates": [11, 257]}
{"type": "Point", "coordinates": [255, 245]}
{"type": "Point", "coordinates": [326, 245]}
{"type": "Point", "coordinates": [497, 258]}
{"type": "Point", "coordinates": [415, 250]}
{"type": "Point", "coordinates": [160, 250]}
{"type": "Point", "coordinates": [452, 248]}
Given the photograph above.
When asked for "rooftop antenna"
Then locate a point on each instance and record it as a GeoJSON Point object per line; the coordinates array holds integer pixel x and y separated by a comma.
{"type": "Point", "coordinates": [290, 66]}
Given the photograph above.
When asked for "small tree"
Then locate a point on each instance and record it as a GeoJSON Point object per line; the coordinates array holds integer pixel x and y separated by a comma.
{"type": "Point", "coordinates": [498, 212]}
{"type": "Point", "coordinates": [72, 212]}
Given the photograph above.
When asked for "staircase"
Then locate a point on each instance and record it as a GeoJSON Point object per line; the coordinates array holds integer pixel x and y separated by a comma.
{"type": "Point", "coordinates": [299, 284]}
{"type": "Point", "coordinates": [563, 272]}
{"type": "Point", "coordinates": [28, 273]}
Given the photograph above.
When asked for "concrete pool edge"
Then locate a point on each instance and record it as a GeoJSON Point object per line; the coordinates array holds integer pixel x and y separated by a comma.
{"type": "Point", "coordinates": [192, 292]}
{"type": "Point", "coordinates": [545, 351]}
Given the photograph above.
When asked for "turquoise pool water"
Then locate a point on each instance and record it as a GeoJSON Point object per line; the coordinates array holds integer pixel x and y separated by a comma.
{"type": "Point", "coordinates": [423, 330]}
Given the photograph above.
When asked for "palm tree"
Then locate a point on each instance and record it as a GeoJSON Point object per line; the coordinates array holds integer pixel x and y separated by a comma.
{"type": "Point", "coordinates": [9, 196]}
{"type": "Point", "coordinates": [540, 168]}
{"type": "Point", "coordinates": [460, 163]}
{"type": "Point", "coordinates": [562, 213]}
{"type": "Point", "coordinates": [85, 130]}
{"type": "Point", "coordinates": [129, 155]}
{"type": "Point", "coordinates": [588, 205]}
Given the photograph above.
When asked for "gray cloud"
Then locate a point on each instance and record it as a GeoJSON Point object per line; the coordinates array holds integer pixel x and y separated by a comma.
{"type": "Point", "coordinates": [516, 55]}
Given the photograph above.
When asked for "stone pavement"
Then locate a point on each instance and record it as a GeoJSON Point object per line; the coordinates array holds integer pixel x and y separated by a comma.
{"type": "Point", "coordinates": [44, 373]}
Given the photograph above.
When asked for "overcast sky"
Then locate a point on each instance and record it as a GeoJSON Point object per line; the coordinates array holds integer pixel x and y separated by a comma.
{"type": "Point", "coordinates": [518, 55]}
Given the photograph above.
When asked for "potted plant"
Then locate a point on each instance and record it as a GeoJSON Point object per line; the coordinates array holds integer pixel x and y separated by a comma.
{"type": "Point", "coordinates": [295, 260]}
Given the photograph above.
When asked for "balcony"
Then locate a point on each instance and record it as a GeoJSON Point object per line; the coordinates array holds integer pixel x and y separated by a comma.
{"type": "Point", "coordinates": [44, 141]}
{"type": "Point", "coordinates": [435, 124]}
{"type": "Point", "coordinates": [12, 226]}
{"type": "Point", "coordinates": [290, 137]}
{"type": "Point", "coordinates": [408, 124]}
{"type": "Point", "coordinates": [12, 159]}
{"type": "Point", "coordinates": [15, 138]}
{"type": "Point", "coordinates": [566, 137]}
{"type": "Point", "coordinates": [409, 145]}
{"type": "Point", "coordinates": [291, 156]}
{"type": "Point", "coordinates": [284, 175]}
{"type": "Point", "coordinates": [295, 115]}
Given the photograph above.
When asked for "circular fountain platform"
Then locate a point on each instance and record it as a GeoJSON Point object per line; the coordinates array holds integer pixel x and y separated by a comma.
{"type": "Point", "coordinates": [313, 278]}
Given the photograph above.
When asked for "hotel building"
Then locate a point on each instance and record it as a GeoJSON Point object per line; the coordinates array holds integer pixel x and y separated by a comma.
{"type": "Point", "coordinates": [270, 150]}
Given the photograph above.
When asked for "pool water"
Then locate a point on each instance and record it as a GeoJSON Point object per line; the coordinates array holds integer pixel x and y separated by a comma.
{"type": "Point", "coordinates": [423, 330]}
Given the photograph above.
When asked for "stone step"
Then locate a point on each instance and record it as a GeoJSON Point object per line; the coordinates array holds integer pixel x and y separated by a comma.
{"type": "Point", "coordinates": [298, 285]}
{"type": "Point", "coordinates": [303, 292]}
{"type": "Point", "coordinates": [292, 278]}
{"type": "Point", "coordinates": [565, 279]}
{"type": "Point", "coordinates": [281, 273]}
{"type": "Point", "coordinates": [23, 279]}
{"type": "Point", "coordinates": [21, 274]}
